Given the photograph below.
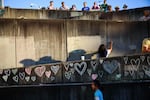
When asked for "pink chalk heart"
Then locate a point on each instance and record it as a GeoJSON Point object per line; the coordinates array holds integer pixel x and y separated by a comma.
{"type": "Point", "coordinates": [28, 70]}
{"type": "Point", "coordinates": [48, 74]}
{"type": "Point", "coordinates": [40, 71]}
{"type": "Point", "coordinates": [94, 76]}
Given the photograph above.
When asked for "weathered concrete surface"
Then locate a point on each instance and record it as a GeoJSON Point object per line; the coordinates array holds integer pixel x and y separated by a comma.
{"type": "Point", "coordinates": [131, 14]}
{"type": "Point", "coordinates": [30, 42]}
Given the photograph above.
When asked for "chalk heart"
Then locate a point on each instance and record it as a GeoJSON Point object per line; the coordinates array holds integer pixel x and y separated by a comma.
{"type": "Point", "coordinates": [135, 63]}
{"type": "Point", "coordinates": [126, 73]}
{"type": "Point", "coordinates": [15, 78]}
{"type": "Point", "coordinates": [147, 73]}
{"type": "Point", "coordinates": [28, 70]}
{"type": "Point", "coordinates": [7, 72]}
{"type": "Point", "coordinates": [48, 74]}
{"type": "Point", "coordinates": [55, 69]}
{"type": "Point", "coordinates": [94, 64]}
{"type": "Point", "coordinates": [1, 71]}
{"type": "Point", "coordinates": [111, 67]}
{"type": "Point", "coordinates": [80, 68]}
{"type": "Point", "coordinates": [89, 71]}
{"type": "Point", "coordinates": [68, 75]}
{"type": "Point", "coordinates": [142, 58]}
{"type": "Point", "coordinates": [148, 60]}
{"type": "Point", "coordinates": [100, 73]}
{"type": "Point", "coordinates": [33, 78]}
{"type": "Point", "coordinates": [14, 71]}
{"type": "Point", "coordinates": [52, 78]}
{"type": "Point", "coordinates": [40, 71]}
{"type": "Point", "coordinates": [22, 75]}
{"type": "Point", "coordinates": [72, 70]}
{"type": "Point", "coordinates": [5, 78]}
{"type": "Point", "coordinates": [141, 74]}
{"type": "Point", "coordinates": [125, 60]}
{"type": "Point", "coordinates": [94, 76]}
{"type": "Point", "coordinates": [101, 61]}
{"type": "Point", "coordinates": [27, 78]}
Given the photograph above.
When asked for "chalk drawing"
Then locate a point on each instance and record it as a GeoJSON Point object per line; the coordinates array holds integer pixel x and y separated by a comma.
{"type": "Point", "coordinates": [94, 64]}
{"type": "Point", "coordinates": [7, 72]}
{"type": "Point", "coordinates": [33, 78]}
{"type": "Point", "coordinates": [1, 71]}
{"type": "Point", "coordinates": [146, 70]}
{"type": "Point", "coordinates": [48, 74]}
{"type": "Point", "coordinates": [22, 75]}
{"type": "Point", "coordinates": [5, 78]}
{"type": "Point", "coordinates": [52, 78]}
{"type": "Point", "coordinates": [142, 58]}
{"type": "Point", "coordinates": [28, 70]}
{"type": "Point", "coordinates": [80, 68]}
{"type": "Point", "coordinates": [94, 76]}
{"type": "Point", "coordinates": [100, 73]}
{"type": "Point", "coordinates": [89, 71]}
{"type": "Point", "coordinates": [14, 71]}
{"type": "Point", "coordinates": [68, 65]}
{"type": "Point", "coordinates": [55, 69]}
{"type": "Point", "coordinates": [111, 67]}
{"type": "Point", "coordinates": [27, 78]}
{"type": "Point", "coordinates": [68, 75]}
{"type": "Point", "coordinates": [40, 71]}
{"type": "Point", "coordinates": [101, 61]}
{"type": "Point", "coordinates": [148, 60]}
{"type": "Point", "coordinates": [135, 63]}
{"type": "Point", "coordinates": [15, 78]}
{"type": "Point", "coordinates": [125, 60]}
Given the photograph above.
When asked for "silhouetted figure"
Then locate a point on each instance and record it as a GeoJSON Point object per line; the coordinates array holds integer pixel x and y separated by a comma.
{"type": "Point", "coordinates": [109, 8]}
{"type": "Point", "coordinates": [98, 95]}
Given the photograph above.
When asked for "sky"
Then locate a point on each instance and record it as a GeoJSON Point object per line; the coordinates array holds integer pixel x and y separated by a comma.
{"type": "Point", "coordinates": [79, 3]}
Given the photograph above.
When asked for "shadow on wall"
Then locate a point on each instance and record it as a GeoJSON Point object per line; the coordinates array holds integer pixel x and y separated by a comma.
{"type": "Point", "coordinates": [42, 60]}
{"type": "Point", "coordinates": [76, 55]}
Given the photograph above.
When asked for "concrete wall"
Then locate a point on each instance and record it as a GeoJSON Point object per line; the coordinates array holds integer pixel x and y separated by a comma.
{"type": "Point", "coordinates": [30, 42]}
{"type": "Point", "coordinates": [131, 14]}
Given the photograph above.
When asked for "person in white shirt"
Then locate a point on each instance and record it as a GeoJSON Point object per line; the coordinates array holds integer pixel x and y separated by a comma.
{"type": "Point", "coordinates": [51, 6]}
{"type": "Point", "coordinates": [63, 7]}
{"type": "Point", "coordinates": [146, 16]}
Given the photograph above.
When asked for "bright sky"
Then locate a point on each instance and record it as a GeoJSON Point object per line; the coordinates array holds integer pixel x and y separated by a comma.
{"type": "Point", "coordinates": [78, 3]}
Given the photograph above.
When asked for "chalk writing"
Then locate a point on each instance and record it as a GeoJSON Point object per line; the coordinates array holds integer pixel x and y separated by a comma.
{"type": "Point", "coordinates": [111, 67]}
{"type": "Point", "coordinates": [78, 67]}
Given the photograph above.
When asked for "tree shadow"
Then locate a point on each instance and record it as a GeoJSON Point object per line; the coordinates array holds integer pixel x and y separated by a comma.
{"type": "Point", "coordinates": [42, 60]}
{"type": "Point", "coordinates": [76, 55]}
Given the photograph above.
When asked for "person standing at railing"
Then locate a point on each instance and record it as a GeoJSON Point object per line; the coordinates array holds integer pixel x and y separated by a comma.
{"type": "Point", "coordinates": [103, 51]}
{"type": "Point", "coordinates": [95, 6]}
{"type": "Point", "coordinates": [51, 6]}
{"type": "Point", "coordinates": [104, 6]}
{"type": "Point", "coordinates": [73, 8]}
{"type": "Point", "coordinates": [98, 95]}
{"type": "Point", "coordinates": [146, 16]}
{"type": "Point", "coordinates": [85, 7]}
{"type": "Point", "coordinates": [63, 6]}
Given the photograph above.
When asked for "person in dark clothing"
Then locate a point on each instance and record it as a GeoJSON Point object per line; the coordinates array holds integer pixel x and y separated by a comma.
{"type": "Point", "coordinates": [103, 51]}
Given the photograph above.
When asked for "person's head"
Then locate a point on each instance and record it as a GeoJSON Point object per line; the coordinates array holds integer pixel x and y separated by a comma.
{"type": "Point", "coordinates": [117, 8]}
{"type": "Point", "coordinates": [63, 3]}
{"type": "Point", "coordinates": [84, 4]}
{"type": "Point", "coordinates": [51, 3]}
{"type": "Point", "coordinates": [105, 1]}
{"type": "Point", "coordinates": [95, 3]}
{"type": "Point", "coordinates": [125, 7]}
{"type": "Point", "coordinates": [95, 85]}
{"type": "Point", "coordinates": [146, 13]}
{"type": "Point", "coordinates": [73, 7]}
{"type": "Point", "coordinates": [109, 8]}
{"type": "Point", "coordinates": [102, 47]}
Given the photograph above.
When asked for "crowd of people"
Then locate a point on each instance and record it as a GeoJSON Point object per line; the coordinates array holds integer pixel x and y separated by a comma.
{"type": "Point", "coordinates": [96, 7]}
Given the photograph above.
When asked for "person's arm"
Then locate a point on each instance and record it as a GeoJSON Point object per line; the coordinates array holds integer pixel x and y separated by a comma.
{"type": "Point", "coordinates": [110, 46]}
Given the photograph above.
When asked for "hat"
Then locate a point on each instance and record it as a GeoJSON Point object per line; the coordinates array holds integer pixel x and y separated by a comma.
{"type": "Point", "coordinates": [117, 7]}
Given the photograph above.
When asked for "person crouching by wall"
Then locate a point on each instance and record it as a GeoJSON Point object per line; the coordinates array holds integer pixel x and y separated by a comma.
{"type": "Point", "coordinates": [146, 45]}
